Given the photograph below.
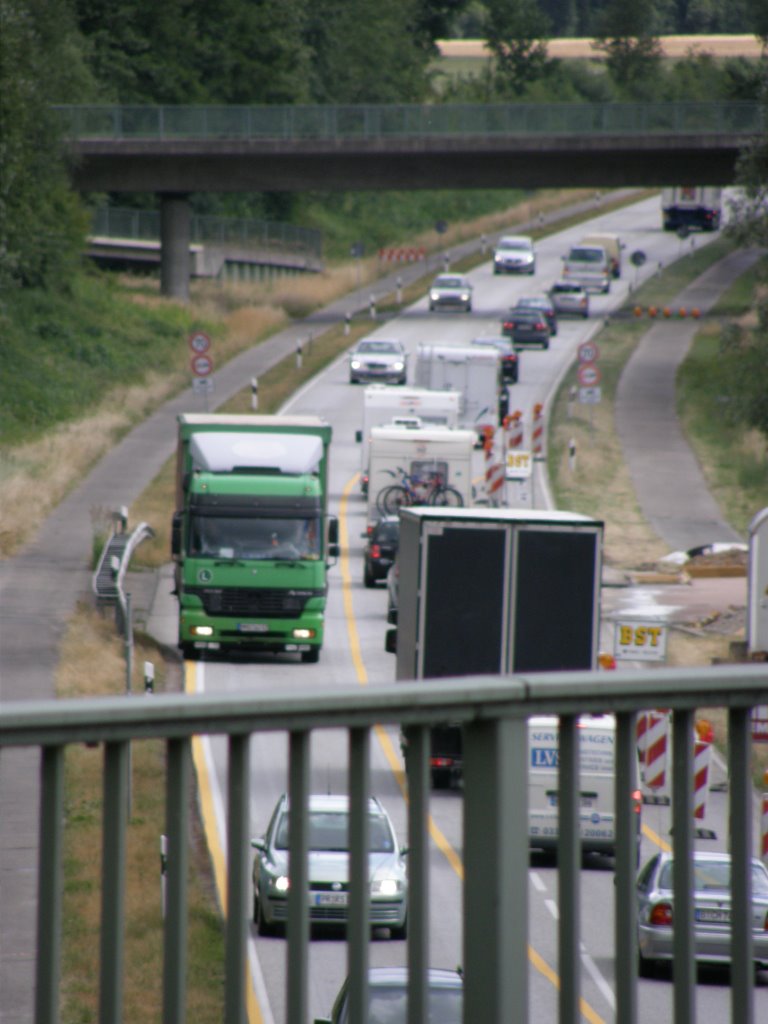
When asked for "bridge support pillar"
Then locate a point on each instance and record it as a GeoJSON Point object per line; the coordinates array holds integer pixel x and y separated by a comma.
{"type": "Point", "coordinates": [175, 236]}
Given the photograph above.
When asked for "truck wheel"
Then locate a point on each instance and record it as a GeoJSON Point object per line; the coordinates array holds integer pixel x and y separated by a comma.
{"type": "Point", "coordinates": [311, 657]}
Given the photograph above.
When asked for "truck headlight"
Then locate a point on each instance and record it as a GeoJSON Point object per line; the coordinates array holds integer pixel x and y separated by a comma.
{"type": "Point", "coordinates": [303, 634]}
{"type": "Point", "coordinates": [465, 296]}
{"type": "Point", "coordinates": [202, 630]}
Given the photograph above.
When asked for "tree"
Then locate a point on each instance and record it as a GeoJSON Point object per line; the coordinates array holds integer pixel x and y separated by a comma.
{"type": "Point", "coordinates": [626, 34]}
{"type": "Point", "coordinates": [516, 36]}
{"type": "Point", "coordinates": [365, 51]}
{"type": "Point", "coordinates": [42, 224]}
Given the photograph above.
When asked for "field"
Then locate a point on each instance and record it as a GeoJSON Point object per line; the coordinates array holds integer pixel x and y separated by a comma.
{"type": "Point", "coordinates": [579, 49]}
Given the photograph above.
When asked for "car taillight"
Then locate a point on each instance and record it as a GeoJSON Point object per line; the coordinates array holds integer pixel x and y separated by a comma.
{"type": "Point", "coordinates": [508, 325]}
{"type": "Point", "coordinates": [440, 762]}
{"type": "Point", "coordinates": [661, 914]}
{"type": "Point", "coordinates": [511, 358]}
{"type": "Point", "coordinates": [637, 801]}
{"type": "Point", "coordinates": [375, 551]}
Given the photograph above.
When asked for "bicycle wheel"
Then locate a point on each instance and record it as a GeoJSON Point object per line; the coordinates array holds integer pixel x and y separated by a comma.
{"type": "Point", "coordinates": [446, 496]}
{"type": "Point", "coordinates": [392, 499]}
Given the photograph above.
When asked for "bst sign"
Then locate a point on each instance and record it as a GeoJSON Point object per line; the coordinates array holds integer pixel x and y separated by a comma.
{"type": "Point", "coordinates": [640, 641]}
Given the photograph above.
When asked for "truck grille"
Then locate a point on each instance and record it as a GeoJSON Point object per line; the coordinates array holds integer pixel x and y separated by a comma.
{"type": "Point", "coordinates": [242, 601]}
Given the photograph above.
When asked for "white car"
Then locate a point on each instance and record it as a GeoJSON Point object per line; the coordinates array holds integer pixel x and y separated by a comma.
{"type": "Point", "coordinates": [451, 291]}
{"type": "Point", "coordinates": [328, 895]}
{"type": "Point", "coordinates": [378, 359]}
{"type": "Point", "coordinates": [514, 254]}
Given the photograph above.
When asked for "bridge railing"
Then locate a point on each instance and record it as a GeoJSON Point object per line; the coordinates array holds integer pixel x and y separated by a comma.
{"type": "Point", "coordinates": [493, 713]}
{"type": "Point", "coordinates": [302, 122]}
{"type": "Point", "coordinates": [144, 225]}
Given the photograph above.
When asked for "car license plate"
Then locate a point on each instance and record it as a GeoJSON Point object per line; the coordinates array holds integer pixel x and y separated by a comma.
{"type": "Point", "coordinates": [330, 899]}
{"type": "Point", "coordinates": [713, 915]}
{"type": "Point", "coordinates": [252, 627]}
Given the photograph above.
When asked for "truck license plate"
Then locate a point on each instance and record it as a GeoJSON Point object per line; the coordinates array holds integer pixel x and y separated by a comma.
{"type": "Point", "coordinates": [252, 627]}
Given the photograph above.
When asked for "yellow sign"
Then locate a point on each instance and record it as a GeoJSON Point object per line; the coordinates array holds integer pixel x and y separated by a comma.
{"type": "Point", "coordinates": [519, 464]}
{"type": "Point", "coordinates": [640, 641]}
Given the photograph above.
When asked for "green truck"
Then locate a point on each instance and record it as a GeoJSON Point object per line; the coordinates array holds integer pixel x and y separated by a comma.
{"type": "Point", "coordinates": [251, 535]}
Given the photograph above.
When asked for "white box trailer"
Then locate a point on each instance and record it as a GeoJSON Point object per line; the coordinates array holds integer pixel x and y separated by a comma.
{"type": "Point", "coordinates": [475, 371]}
{"type": "Point", "coordinates": [384, 404]}
{"type": "Point", "coordinates": [416, 458]}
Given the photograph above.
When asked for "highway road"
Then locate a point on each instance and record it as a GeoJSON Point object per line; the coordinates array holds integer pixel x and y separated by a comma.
{"type": "Point", "coordinates": [354, 656]}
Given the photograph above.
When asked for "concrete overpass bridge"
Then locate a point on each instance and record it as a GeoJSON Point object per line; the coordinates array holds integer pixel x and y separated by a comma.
{"type": "Point", "coordinates": [175, 151]}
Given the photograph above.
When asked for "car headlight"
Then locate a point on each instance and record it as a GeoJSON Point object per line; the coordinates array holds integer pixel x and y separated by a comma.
{"type": "Point", "coordinates": [434, 296]}
{"type": "Point", "coordinates": [356, 364]}
{"type": "Point", "coordinates": [280, 883]}
{"type": "Point", "coordinates": [398, 366]}
{"type": "Point", "coordinates": [465, 296]}
{"type": "Point", "coordinates": [386, 887]}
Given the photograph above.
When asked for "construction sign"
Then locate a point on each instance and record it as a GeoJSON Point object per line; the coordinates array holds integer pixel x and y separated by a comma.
{"type": "Point", "coordinates": [640, 641]}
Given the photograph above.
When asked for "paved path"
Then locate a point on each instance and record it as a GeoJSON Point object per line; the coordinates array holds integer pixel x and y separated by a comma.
{"type": "Point", "coordinates": [670, 487]}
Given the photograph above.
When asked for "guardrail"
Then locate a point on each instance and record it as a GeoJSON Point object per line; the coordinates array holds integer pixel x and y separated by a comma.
{"type": "Point", "coordinates": [299, 122]}
{"type": "Point", "coordinates": [493, 713]}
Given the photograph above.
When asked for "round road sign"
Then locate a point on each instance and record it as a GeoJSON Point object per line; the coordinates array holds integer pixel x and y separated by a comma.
{"type": "Point", "coordinates": [199, 342]}
{"type": "Point", "coordinates": [201, 365]}
{"type": "Point", "coordinates": [589, 375]}
{"type": "Point", "coordinates": [588, 352]}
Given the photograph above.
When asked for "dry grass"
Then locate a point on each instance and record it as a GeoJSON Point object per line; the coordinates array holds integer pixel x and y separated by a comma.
{"type": "Point", "coordinates": [92, 665]}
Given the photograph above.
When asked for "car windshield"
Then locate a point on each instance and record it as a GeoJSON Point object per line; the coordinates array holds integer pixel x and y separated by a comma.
{"type": "Point", "coordinates": [715, 876]}
{"type": "Point", "coordinates": [329, 831]}
{"type": "Point", "coordinates": [251, 537]}
{"type": "Point", "coordinates": [389, 1005]}
{"type": "Point", "coordinates": [566, 289]}
{"type": "Point", "coordinates": [515, 243]}
{"type": "Point", "coordinates": [388, 347]}
{"type": "Point", "coordinates": [586, 256]}
{"type": "Point", "coordinates": [449, 282]}
{"type": "Point", "coordinates": [386, 531]}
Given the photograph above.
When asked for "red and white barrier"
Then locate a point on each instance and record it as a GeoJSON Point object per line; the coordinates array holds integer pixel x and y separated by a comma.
{"type": "Point", "coordinates": [702, 754]}
{"type": "Point", "coordinates": [642, 736]}
{"type": "Point", "coordinates": [657, 736]}
{"type": "Point", "coordinates": [537, 433]}
{"type": "Point", "coordinates": [494, 470]}
{"type": "Point", "coordinates": [764, 829]}
{"type": "Point", "coordinates": [404, 254]}
{"type": "Point", "coordinates": [513, 430]}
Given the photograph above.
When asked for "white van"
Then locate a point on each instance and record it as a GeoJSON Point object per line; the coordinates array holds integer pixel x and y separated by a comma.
{"type": "Point", "coordinates": [588, 265]}
{"type": "Point", "coordinates": [597, 783]}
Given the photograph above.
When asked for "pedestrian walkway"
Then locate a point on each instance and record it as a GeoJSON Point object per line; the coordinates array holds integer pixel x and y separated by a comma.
{"type": "Point", "coordinates": [668, 481]}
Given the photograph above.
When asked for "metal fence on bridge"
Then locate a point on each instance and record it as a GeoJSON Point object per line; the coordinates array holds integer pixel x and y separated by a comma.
{"type": "Point", "coordinates": [144, 225]}
{"type": "Point", "coordinates": [303, 122]}
{"type": "Point", "coordinates": [493, 713]}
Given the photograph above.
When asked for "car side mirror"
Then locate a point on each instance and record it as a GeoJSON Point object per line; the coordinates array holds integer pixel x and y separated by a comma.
{"type": "Point", "coordinates": [257, 842]}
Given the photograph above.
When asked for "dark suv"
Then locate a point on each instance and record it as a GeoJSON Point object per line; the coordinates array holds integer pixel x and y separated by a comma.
{"type": "Point", "coordinates": [510, 360]}
{"type": "Point", "coordinates": [380, 550]}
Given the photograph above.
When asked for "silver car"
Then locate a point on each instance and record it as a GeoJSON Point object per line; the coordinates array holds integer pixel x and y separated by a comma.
{"type": "Point", "coordinates": [711, 910]}
{"type": "Point", "coordinates": [569, 299]}
{"type": "Point", "coordinates": [328, 895]}
{"type": "Point", "coordinates": [378, 359]}
{"type": "Point", "coordinates": [451, 291]}
{"type": "Point", "coordinates": [388, 997]}
{"type": "Point", "coordinates": [514, 254]}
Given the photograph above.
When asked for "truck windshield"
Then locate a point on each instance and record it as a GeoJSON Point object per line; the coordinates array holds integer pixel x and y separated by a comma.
{"type": "Point", "coordinates": [248, 537]}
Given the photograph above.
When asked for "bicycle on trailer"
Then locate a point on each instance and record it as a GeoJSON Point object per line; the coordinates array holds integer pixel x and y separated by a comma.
{"type": "Point", "coordinates": [411, 490]}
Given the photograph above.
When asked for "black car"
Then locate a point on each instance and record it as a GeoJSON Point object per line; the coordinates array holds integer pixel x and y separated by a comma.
{"type": "Point", "coordinates": [380, 549]}
{"type": "Point", "coordinates": [510, 360]}
{"type": "Point", "coordinates": [526, 327]}
{"type": "Point", "coordinates": [544, 305]}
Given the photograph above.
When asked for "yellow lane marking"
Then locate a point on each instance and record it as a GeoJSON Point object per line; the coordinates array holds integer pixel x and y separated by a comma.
{"type": "Point", "coordinates": [208, 814]}
{"type": "Point", "coordinates": [389, 751]}
{"type": "Point", "coordinates": [656, 838]}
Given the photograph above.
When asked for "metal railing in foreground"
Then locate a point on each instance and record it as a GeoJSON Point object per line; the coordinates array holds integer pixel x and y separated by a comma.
{"type": "Point", "coordinates": [493, 712]}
